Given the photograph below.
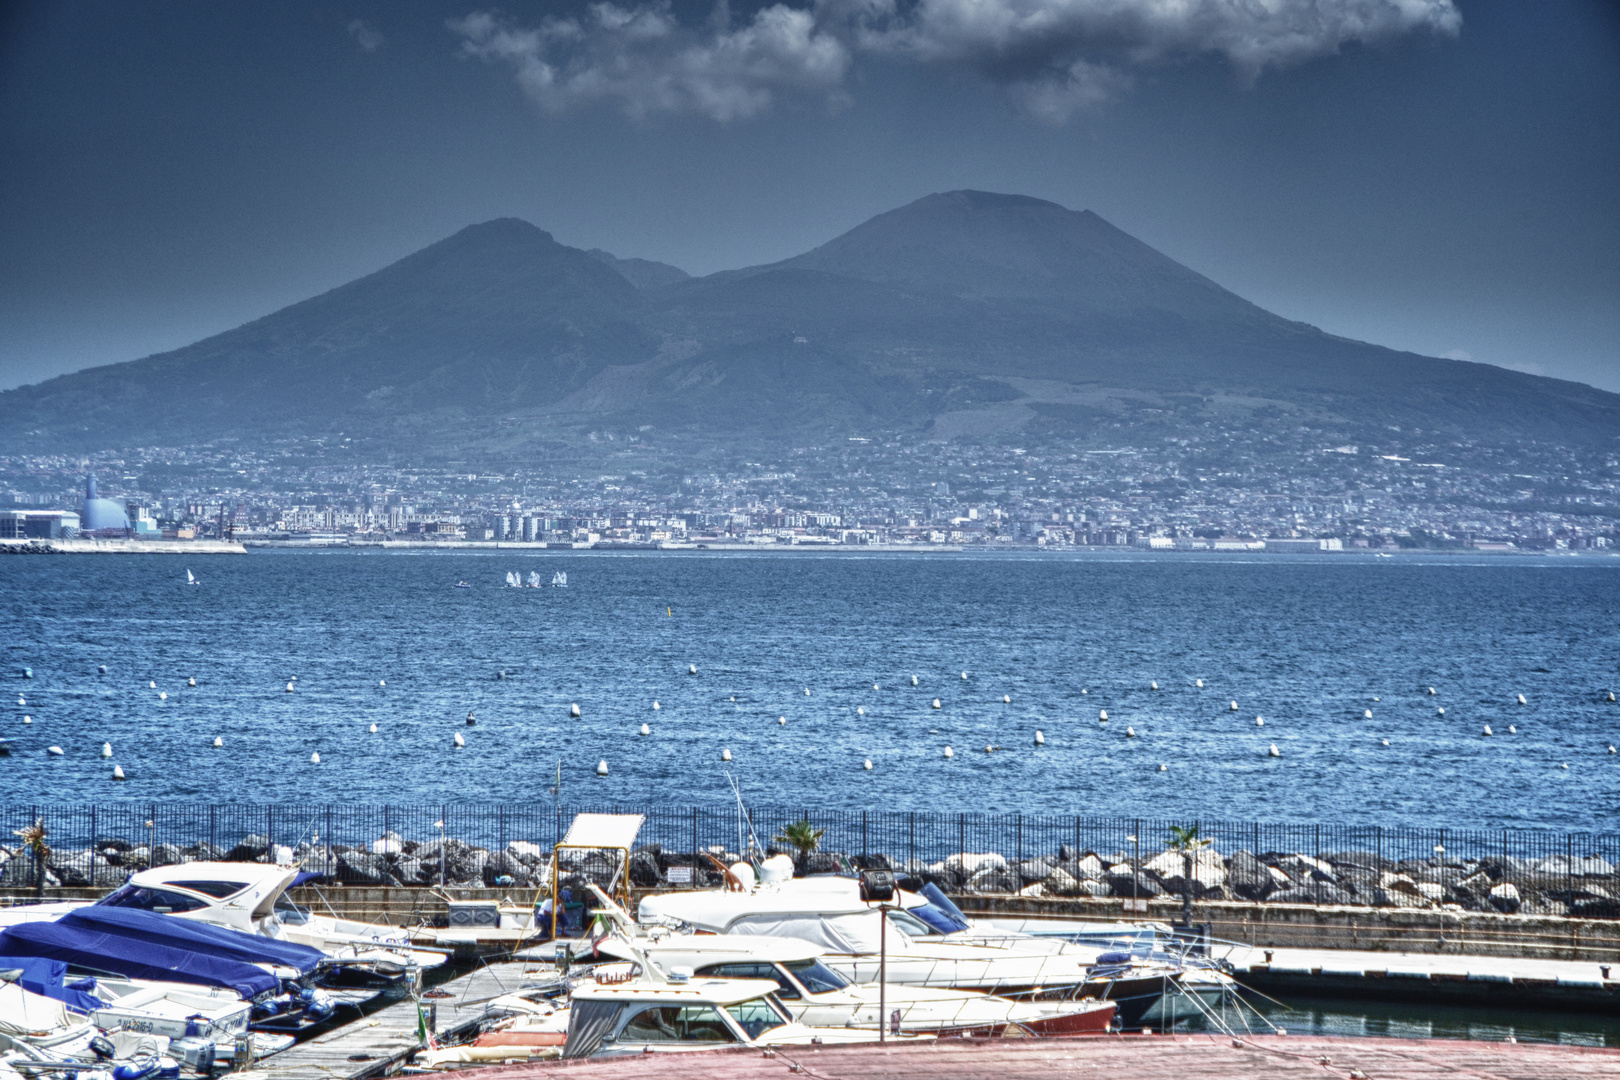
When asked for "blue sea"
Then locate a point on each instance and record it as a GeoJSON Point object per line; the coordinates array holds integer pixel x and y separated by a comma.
{"type": "Point", "coordinates": [828, 643]}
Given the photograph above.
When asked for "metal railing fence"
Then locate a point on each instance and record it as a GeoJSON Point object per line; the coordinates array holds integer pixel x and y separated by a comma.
{"type": "Point", "coordinates": [101, 843]}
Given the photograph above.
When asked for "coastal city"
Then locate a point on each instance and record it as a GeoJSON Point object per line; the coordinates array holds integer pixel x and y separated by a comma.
{"type": "Point", "coordinates": [1297, 491]}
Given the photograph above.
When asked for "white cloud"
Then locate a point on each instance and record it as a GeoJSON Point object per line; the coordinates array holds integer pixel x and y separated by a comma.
{"type": "Point", "coordinates": [1054, 57]}
{"type": "Point", "coordinates": [641, 60]}
{"type": "Point", "coordinates": [365, 35]}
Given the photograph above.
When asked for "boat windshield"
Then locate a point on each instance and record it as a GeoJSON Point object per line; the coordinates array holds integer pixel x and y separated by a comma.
{"type": "Point", "coordinates": [290, 912]}
{"type": "Point", "coordinates": [756, 1016]}
{"type": "Point", "coordinates": [815, 976]}
{"type": "Point", "coordinates": [909, 924]}
{"type": "Point", "coordinates": [143, 898]}
{"type": "Point", "coordinates": [677, 1023]}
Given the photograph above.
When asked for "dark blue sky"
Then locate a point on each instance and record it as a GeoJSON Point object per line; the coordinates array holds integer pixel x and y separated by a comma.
{"type": "Point", "coordinates": [1433, 176]}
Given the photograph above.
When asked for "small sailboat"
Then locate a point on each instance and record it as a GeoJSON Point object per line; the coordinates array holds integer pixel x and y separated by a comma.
{"type": "Point", "coordinates": [513, 580]}
{"type": "Point", "coordinates": [191, 579]}
{"type": "Point", "coordinates": [559, 580]}
{"type": "Point", "coordinates": [534, 579]}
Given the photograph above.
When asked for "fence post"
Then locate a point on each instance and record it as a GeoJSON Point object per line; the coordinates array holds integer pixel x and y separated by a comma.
{"type": "Point", "coordinates": [329, 839]}
{"type": "Point", "coordinates": [270, 832]}
{"type": "Point", "coordinates": [444, 838]}
{"type": "Point", "coordinates": [213, 831]}
{"type": "Point", "coordinates": [1378, 846]}
{"type": "Point", "coordinates": [1314, 879]}
{"type": "Point", "coordinates": [911, 830]}
{"type": "Point", "coordinates": [961, 832]}
{"type": "Point", "coordinates": [696, 858]}
{"type": "Point", "coordinates": [1019, 838]}
{"type": "Point", "coordinates": [92, 847]}
{"type": "Point", "coordinates": [866, 848]}
{"type": "Point", "coordinates": [1569, 859]}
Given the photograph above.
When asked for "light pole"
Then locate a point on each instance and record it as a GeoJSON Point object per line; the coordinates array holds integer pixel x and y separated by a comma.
{"type": "Point", "coordinates": [878, 886]}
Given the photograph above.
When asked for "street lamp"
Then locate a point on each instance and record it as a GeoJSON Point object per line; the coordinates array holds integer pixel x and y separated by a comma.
{"type": "Point", "coordinates": [878, 887]}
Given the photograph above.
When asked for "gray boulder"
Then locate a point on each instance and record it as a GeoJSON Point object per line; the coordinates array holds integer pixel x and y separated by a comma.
{"type": "Point", "coordinates": [363, 868]}
{"type": "Point", "coordinates": [994, 880]}
{"type": "Point", "coordinates": [72, 868]}
{"type": "Point", "coordinates": [1122, 882]}
{"type": "Point", "coordinates": [1505, 898]}
{"type": "Point", "coordinates": [251, 848]}
{"type": "Point", "coordinates": [1248, 877]}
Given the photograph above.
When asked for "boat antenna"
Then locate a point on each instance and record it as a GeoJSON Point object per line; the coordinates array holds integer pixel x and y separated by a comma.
{"type": "Point", "coordinates": [744, 819]}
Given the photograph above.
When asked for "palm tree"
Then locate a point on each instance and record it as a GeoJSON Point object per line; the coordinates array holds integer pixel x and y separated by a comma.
{"type": "Point", "coordinates": [801, 836]}
{"type": "Point", "coordinates": [33, 838]}
{"type": "Point", "coordinates": [1186, 840]}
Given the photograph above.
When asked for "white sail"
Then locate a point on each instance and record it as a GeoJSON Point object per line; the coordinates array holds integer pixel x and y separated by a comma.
{"type": "Point", "coordinates": [534, 579]}
{"type": "Point", "coordinates": [190, 578]}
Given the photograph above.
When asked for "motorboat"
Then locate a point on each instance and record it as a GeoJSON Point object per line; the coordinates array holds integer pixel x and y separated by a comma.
{"type": "Point", "coordinates": [282, 996]}
{"type": "Point", "coordinates": [819, 996]}
{"type": "Point", "coordinates": [924, 940]}
{"type": "Point", "coordinates": [251, 897]}
{"type": "Point", "coordinates": [652, 1013]}
{"type": "Point", "coordinates": [38, 1031]}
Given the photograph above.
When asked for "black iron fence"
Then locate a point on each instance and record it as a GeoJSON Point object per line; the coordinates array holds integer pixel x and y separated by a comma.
{"type": "Point", "coordinates": [1053, 855]}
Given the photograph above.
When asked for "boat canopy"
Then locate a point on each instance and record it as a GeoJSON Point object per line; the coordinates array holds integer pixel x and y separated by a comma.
{"type": "Point", "coordinates": [133, 958]}
{"type": "Point", "coordinates": [195, 936]}
{"type": "Point", "coordinates": [603, 831]}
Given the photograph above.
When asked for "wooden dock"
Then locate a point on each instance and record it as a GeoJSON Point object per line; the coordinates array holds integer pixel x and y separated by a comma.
{"type": "Point", "coordinates": [377, 1044]}
{"type": "Point", "coordinates": [1459, 979]}
{"type": "Point", "coordinates": [1139, 1057]}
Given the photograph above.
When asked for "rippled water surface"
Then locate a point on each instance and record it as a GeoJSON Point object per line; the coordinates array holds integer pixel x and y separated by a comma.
{"type": "Point", "coordinates": [1308, 643]}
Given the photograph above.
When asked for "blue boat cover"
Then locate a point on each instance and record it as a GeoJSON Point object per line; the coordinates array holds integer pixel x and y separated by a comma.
{"type": "Point", "coordinates": [194, 936]}
{"type": "Point", "coordinates": [132, 958]}
{"type": "Point", "coordinates": [47, 978]}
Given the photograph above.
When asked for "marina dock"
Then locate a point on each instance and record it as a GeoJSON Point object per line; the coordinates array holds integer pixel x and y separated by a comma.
{"type": "Point", "coordinates": [377, 1044]}
{"type": "Point", "coordinates": [1456, 979]}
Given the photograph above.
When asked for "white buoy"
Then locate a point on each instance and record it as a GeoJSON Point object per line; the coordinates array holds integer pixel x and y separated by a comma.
{"type": "Point", "coordinates": [988, 748]}
{"type": "Point", "coordinates": [295, 678]}
{"type": "Point", "coordinates": [1565, 765]}
{"type": "Point", "coordinates": [1611, 749]}
{"type": "Point", "coordinates": [1488, 730]}
{"type": "Point", "coordinates": [1513, 729]}
{"type": "Point", "coordinates": [781, 721]}
{"type": "Point", "coordinates": [860, 710]}
{"type": "Point", "coordinates": [1441, 711]}
{"type": "Point", "coordinates": [936, 703]}
{"type": "Point", "coordinates": [217, 741]}
{"type": "Point", "coordinates": [1102, 715]}
{"type": "Point", "coordinates": [964, 675]}
{"type": "Point", "coordinates": [1083, 690]}
{"type": "Point", "coordinates": [106, 749]}
{"type": "Point", "coordinates": [1163, 767]}
{"type": "Point", "coordinates": [1386, 742]}
{"type": "Point", "coordinates": [1130, 732]}
{"type": "Point", "coordinates": [1040, 738]}
{"type": "Point", "coordinates": [1198, 683]}
{"type": "Point", "coordinates": [1274, 752]}
{"type": "Point", "coordinates": [734, 698]}
{"type": "Point", "coordinates": [1233, 707]}
{"type": "Point", "coordinates": [118, 772]}
{"type": "Point", "coordinates": [1611, 695]}
{"type": "Point", "coordinates": [191, 681]}
{"type": "Point", "coordinates": [573, 710]}
{"type": "Point", "coordinates": [382, 682]}
{"type": "Point", "coordinates": [914, 680]}
{"type": "Point", "coordinates": [949, 752]}
{"type": "Point", "coordinates": [21, 700]}
{"type": "Point", "coordinates": [601, 767]}
{"type": "Point", "coordinates": [163, 695]}
{"type": "Point", "coordinates": [1006, 699]}
{"type": "Point", "coordinates": [151, 684]}
{"type": "Point", "coordinates": [1431, 691]}
{"type": "Point", "coordinates": [656, 706]}
{"type": "Point", "coordinates": [645, 730]}
{"type": "Point", "coordinates": [1153, 686]}
{"type": "Point", "coordinates": [1521, 700]}
{"type": "Point", "coordinates": [806, 692]}
{"type": "Point", "coordinates": [27, 719]}
{"type": "Point", "coordinates": [875, 686]}
{"type": "Point", "coordinates": [867, 765]}
{"type": "Point", "coordinates": [315, 758]}
{"type": "Point", "coordinates": [372, 729]}
{"type": "Point", "coordinates": [458, 740]}
{"type": "Point", "coordinates": [691, 669]}
{"type": "Point", "coordinates": [1366, 714]}
{"type": "Point", "coordinates": [725, 755]}
{"type": "Point", "coordinates": [1259, 721]}
{"type": "Point", "coordinates": [54, 751]}
{"type": "Point", "coordinates": [1378, 699]}
{"type": "Point", "coordinates": [289, 688]}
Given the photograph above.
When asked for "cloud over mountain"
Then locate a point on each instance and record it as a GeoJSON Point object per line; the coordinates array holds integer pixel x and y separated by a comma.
{"type": "Point", "coordinates": [1054, 57]}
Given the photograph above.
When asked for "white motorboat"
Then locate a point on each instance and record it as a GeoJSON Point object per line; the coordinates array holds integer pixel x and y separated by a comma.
{"type": "Point", "coordinates": [819, 996]}
{"type": "Point", "coordinates": [251, 897]}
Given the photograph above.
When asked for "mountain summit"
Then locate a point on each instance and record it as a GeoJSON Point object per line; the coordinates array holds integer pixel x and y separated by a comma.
{"type": "Point", "coordinates": [961, 314]}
